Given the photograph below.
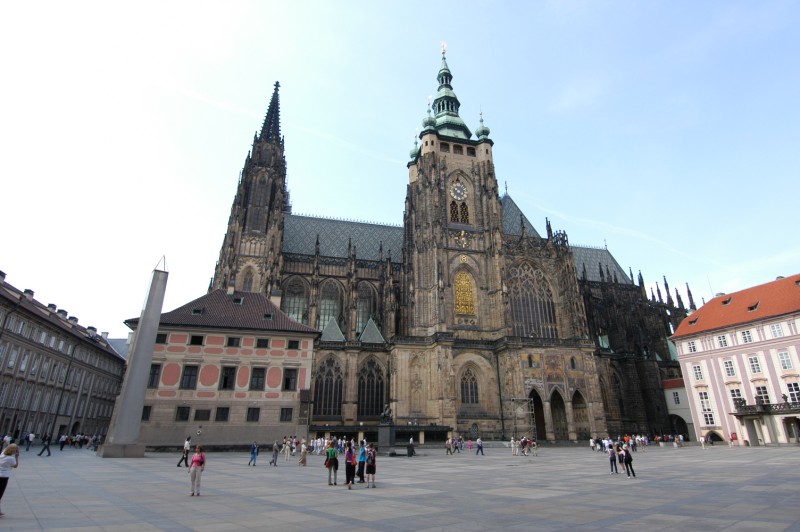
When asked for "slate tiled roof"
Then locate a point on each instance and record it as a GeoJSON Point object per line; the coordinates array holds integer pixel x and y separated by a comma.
{"type": "Point", "coordinates": [770, 300]}
{"type": "Point", "coordinates": [591, 257]}
{"type": "Point", "coordinates": [332, 333]}
{"type": "Point", "coordinates": [371, 334]}
{"type": "Point", "coordinates": [300, 236]}
{"type": "Point", "coordinates": [241, 310]}
{"type": "Point", "coordinates": [513, 219]}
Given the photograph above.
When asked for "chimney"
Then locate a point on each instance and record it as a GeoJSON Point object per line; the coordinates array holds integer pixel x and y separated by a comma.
{"type": "Point", "coordinates": [230, 290]}
{"type": "Point", "coordinates": [73, 320]}
{"type": "Point", "coordinates": [52, 308]}
{"type": "Point", "coordinates": [104, 335]}
{"type": "Point", "coordinates": [62, 313]}
{"type": "Point", "coordinates": [92, 330]}
{"type": "Point", "coordinates": [2, 277]}
{"type": "Point", "coordinates": [28, 294]}
{"type": "Point", "coordinates": [275, 297]}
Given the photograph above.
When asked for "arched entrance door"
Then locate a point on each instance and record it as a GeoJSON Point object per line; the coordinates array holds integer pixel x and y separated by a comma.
{"type": "Point", "coordinates": [539, 427]}
{"type": "Point", "coordinates": [580, 413]}
{"type": "Point", "coordinates": [559, 412]}
{"type": "Point", "coordinates": [679, 426]}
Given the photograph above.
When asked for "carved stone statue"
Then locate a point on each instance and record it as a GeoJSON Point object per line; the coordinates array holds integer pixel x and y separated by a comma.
{"type": "Point", "coordinates": [386, 416]}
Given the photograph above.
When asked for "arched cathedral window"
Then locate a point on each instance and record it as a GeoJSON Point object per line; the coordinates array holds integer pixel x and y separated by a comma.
{"type": "Point", "coordinates": [533, 312]}
{"type": "Point", "coordinates": [370, 390]}
{"type": "Point", "coordinates": [330, 304]}
{"type": "Point", "coordinates": [366, 306]}
{"type": "Point", "coordinates": [454, 212]}
{"type": "Point", "coordinates": [295, 300]}
{"type": "Point", "coordinates": [469, 388]}
{"type": "Point", "coordinates": [464, 212]}
{"type": "Point", "coordinates": [465, 298]}
{"type": "Point", "coordinates": [328, 389]}
{"type": "Point", "coordinates": [248, 282]}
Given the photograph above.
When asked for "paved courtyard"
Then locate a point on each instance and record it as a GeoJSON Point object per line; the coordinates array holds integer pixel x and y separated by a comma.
{"type": "Point", "coordinates": [562, 488]}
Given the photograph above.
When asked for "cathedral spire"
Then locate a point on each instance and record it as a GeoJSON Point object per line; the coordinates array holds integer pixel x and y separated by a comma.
{"type": "Point", "coordinates": [271, 130]}
{"type": "Point", "coordinates": [692, 306]}
{"type": "Point", "coordinates": [446, 105]}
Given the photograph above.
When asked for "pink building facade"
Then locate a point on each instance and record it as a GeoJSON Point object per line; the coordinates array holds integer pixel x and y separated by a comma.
{"type": "Point", "coordinates": [739, 358]}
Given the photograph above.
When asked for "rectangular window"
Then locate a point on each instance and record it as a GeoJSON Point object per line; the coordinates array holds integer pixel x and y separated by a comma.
{"type": "Point", "coordinates": [708, 417]}
{"type": "Point", "coordinates": [227, 378]}
{"type": "Point", "coordinates": [698, 372]}
{"type": "Point", "coordinates": [762, 395]}
{"type": "Point", "coordinates": [234, 341]}
{"type": "Point", "coordinates": [222, 413]}
{"type": "Point", "coordinates": [786, 360]}
{"type": "Point", "coordinates": [12, 358]}
{"type": "Point", "coordinates": [253, 414]}
{"type": "Point", "coordinates": [262, 343]}
{"type": "Point", "coordinates": [146, 411]}
{"type": "Point", "coordinates": [257, 378]}
{"type": "Point", "coordinates": [182, 413]}
{"type": "Point", "coordinates": [755, 364]}
{"type": "Point", "coordinates": [161, 338]}
{"type": "Point", "coordinates": [286, 414]}
{"type": "Point", "coordinates": [290, 379]}
{"type": "Point", "coordinates": [196, 339]}
{"type": "Point", "coordinates": [155, 376]}
{"type": "Point", "coordinates": [691, 346]}
{"type": "Point", "coordinates": [294, 344]}
{"type": "Point", "coordinates": [202, 415]}
{"type": "Point", "coordinates": [676, 398]}
{"type": "Point", "coordinates": [729, 369]}
{"type": "Point", "coordinates": [722, 341]}
{"type": "Point", "coordinates": [747, 338]}
{"type": "Point", "coordinates": [794, 392]}
{"type": "Point", "coordinates": [189, 378]}
{"type": "Point", "coordinates": [736, 393]}
{"type": "Point", "coordinates": [776, 330]}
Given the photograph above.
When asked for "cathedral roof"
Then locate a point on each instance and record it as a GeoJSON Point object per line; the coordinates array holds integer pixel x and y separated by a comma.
{"type": "Point", "coordinates": [591, 258]}
{"type": "Point", "coordinates": [371, 334]}
{"type": "Point", "coordinates": [769, 300]}
{"type": "Point", "coordinates": [240, 310]}
{"type": "Point", "coordinates": [514, 220]}
{"type": "Point", "coordinates": [335, 237]}
{"type": "Point", "coordinates": [332, 333]}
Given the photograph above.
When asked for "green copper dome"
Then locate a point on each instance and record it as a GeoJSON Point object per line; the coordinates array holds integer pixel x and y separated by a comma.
{"type": "Point", "coordinates": [446, 106]}
{"type": "Point", "coordinates": [482, 132]}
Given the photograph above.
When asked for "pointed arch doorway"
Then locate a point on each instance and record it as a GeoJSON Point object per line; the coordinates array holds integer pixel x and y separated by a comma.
{"type": "Point", "coordinates": [538, 424]}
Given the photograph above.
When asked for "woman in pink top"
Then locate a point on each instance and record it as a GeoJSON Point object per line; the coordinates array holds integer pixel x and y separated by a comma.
{"type": "Point", "coordinates": [196, 468]}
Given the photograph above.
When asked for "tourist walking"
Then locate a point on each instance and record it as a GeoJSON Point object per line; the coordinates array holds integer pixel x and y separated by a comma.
{"type": "Point", "coordinates": [276, 450]}
{"type": "Point", "coordinates": [45, 445]}
{"type": "Point", "coordinates": [198, 465]}
{"type": "Point", "coordinates": [349, 465]}
{"type": "Point", "coordinates": [331, 462]}
{"type": "Point", "coordinates": [303, 453]}
{"type": "Point", "coordinates": [8, 460]}
{"type": "Point", "coordinates": [371, 462]}
{"type": "Point", "coordinates": [253, 454]}
{"type": "Point", "coordinates": [479, 443]}
{"type": "Point", "coordinates": [62, 441]}
{"type": "Point", "coordinates": [362, 460]}
{"type": "Point", "coordinates": [187, 446]}
{"type": "Point", "coordinates": [612, 459]}
{"type": "Point", "coordinates": [627, 461]}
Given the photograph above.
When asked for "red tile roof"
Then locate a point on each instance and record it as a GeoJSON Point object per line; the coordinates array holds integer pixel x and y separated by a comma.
{"type": "Point", "coordinates": [764, 301]}
{"type": "Point", "coordinates": [242, 310]}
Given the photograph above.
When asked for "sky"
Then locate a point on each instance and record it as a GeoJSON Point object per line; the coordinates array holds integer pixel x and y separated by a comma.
{"type": "Point", "coordinates": [668, 131]}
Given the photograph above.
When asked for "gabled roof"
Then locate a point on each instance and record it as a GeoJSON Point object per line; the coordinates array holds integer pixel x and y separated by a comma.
{"type": "Point", "coordinates": [332, 333]}
{"type": "Point", "coordinates": [514, 220]}
{"type": "Point", "coordinates": [241, 310]}
{"type": "Point", "coordinates": [371, 334]}
{"type": "Point", "coordinates": [300, 235]}
{"type": "Point", "coordinates": [769, 300]}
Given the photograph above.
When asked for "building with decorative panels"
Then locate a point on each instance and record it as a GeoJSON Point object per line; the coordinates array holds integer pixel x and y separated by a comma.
{"type": "Point", "coordinates": [739, 356]}
{"type": "Point", "coordinates": [228, 368]}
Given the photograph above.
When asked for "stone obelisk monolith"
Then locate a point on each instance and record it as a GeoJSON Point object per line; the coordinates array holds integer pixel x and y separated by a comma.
{"type": "Point", "coordinates": [122, 440]}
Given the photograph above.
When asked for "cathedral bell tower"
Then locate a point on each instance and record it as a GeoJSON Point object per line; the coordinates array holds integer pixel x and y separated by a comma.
{"type": "Point", "coordinates": [250, 257]}
{"type": "Point", "coordinates": [453, 225]}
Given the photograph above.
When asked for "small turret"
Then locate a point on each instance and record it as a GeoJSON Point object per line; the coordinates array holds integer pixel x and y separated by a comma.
{"type": "Point", "coordinates": [692, 306]}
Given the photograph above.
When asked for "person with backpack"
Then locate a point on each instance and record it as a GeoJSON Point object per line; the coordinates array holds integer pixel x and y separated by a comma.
{"type": "Point", "coordinates": [349, 465]}
{"type": "Point", "coordinates": [253, 454]}
{"type": "Point", "coordinates": [371, 460]}
{"type": "Point", "coordinates": [627, 461]}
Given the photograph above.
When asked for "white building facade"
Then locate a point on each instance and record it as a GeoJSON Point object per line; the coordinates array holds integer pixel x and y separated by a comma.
{"type": "Point", "coordinates": [739, 357]}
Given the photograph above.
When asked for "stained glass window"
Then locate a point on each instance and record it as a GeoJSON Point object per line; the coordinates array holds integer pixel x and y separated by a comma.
{"type": "Point", "coordinates": [465, 299]}
{"type": "Point", "coordinates": [453, 212]}
{"type": "Point", "coordinates": [328, 389]}
{"type": "Point", "coordinates": [295, 300]}
{"type": "Point", "coordinates": [330, 304]}
{"type": "Point", "coordinates": [464, 212]}
{"type": "Point", "coordinates": [370, 389]}
{"type": "Point", "coordinates": [469, 388]}
{"type": "Point", "coordinates": [532, 309]}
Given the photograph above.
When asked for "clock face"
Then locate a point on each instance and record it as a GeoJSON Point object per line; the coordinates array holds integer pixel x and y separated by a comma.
{"type": "Point", "coordinates": [458, 191]}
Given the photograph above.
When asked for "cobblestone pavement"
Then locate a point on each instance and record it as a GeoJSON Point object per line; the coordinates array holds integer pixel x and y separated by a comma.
{"type": "Point", "coordinates": [561, 489]}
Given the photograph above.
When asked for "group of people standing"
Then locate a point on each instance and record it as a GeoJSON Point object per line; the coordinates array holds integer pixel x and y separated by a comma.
{"type": "Point", "coordinates": [524, 446]}
{"type": "Point", "coordinates": [623, 456]}
{"type": "Point", "coordinates": [361, 462]}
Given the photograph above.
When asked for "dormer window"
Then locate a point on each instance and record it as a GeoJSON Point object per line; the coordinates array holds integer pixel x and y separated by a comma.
{"type": "Point", "coordinates": [753, 307]}
{"type": "Point", "coordinates": [238, 300]}
{"type": "Point", "coordinates": [198, 311]}
{"type": "Point", "coordinates": [727, 301]}
{"type": "Point", "coordinates": [268, 317]}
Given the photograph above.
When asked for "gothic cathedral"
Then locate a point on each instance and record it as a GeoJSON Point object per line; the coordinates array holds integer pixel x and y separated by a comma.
{"type": "Point", "coordinates": [464, 319]}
